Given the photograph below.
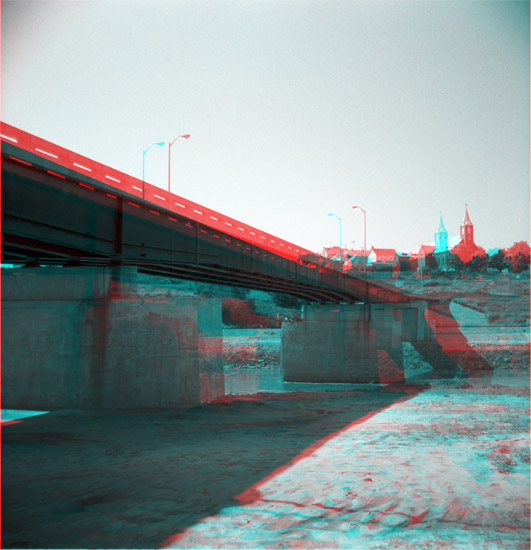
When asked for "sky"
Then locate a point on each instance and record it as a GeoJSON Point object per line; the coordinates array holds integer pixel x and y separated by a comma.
{"type": "Point", "coordinates": [296, 109]}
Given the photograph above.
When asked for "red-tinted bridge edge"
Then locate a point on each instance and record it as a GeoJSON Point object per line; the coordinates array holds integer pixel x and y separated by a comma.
{"type": "Point", "coordinates": [152, 194]}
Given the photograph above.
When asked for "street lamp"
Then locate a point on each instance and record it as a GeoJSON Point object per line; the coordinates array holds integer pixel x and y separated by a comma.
{"type": "Point", "coordinates": [421, 262]}
{"type": "Point", "coordinates": [160, 144]}
{"type": "Point", "coordinates": [364, 238]}
{"type": "Point", "coordinates": [332, 214]}
{"type": "Point", "coordinates": [185, 136]}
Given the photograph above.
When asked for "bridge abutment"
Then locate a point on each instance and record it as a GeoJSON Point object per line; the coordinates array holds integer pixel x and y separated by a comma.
{"type": "Point", "coordinates": [83, 337]}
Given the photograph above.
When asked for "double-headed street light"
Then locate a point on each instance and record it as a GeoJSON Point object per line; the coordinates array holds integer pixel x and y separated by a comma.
{"type": "Point", "coordinates": [185, 136]}
{"type": "Point", "coordinates": [364, 237]}
{"type": "Point", "coordinates": [160, 144]}
{"type": "Point", "coordinates": [332, 214]}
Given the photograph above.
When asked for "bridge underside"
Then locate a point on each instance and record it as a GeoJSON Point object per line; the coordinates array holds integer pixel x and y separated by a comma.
{"type": "Point", "coordinates": [54, 216]}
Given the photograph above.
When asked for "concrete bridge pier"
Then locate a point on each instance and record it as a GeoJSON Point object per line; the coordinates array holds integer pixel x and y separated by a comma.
{"type": "Point", "coordinates": [83, 337]}
{"type": "Point", "coordinates": [359, 343]}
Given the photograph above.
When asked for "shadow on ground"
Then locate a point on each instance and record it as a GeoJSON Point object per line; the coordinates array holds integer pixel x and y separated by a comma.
{"type": "Point", "coordinates": [75, 479]}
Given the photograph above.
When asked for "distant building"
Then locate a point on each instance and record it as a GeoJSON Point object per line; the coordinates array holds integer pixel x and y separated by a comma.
{"type": "Point", "coordinates": [441, 236]}
{"type": "Point", "coordinates": [462, 246]}
{"type": "Point", "coordinates": [424, 251]}
{"type": "Point", "coordinates": [358, 262]}
{"type": "Point", "coordinates": [383, 256]}
{"type": "Point", "coordinates": [332, 252]}
{"type": "Point", "coordinates": [418, 254]}
{"type": "Point", "coordinates": [421, 251]}
{"type": "Point", "coordinates": [384, 260]}
{"type": "Point", "coordinates": [441, 244]}
{"type": "Point", "coordinates": [404, 263]}
{"type": "Point", "coordinates": [467, 248]}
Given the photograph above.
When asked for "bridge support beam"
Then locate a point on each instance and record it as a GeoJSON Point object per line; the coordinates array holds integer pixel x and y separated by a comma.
{"type": "Point", "coordinates": [83, 337]}
{"type": "Point", "coordinates": [351, 343]}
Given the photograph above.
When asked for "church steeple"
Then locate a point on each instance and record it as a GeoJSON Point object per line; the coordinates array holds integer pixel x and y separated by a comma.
{"type": "Point", "coordinates": [441, 223]}
{"type": "Point", "coordinates": [466, 219]}
{"type": "Point", "coordinates": [467, 229]}
{"type": "Point", "coordinates": [441, 236]}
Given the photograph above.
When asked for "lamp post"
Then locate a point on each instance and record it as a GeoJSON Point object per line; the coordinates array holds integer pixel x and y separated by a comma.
{"type": "Point", "coordinates": [160, 144]}
{"type": "Point", "coordinates": [340, 255]}
{"type": "Point", "coordinates": [364, 238]}
{"type": "Point", "coordinates": [185, 136]}
{"type": "Point", "coordinates": [421, 266]}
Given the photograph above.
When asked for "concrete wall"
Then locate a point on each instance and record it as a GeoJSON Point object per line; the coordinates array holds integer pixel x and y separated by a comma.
{"type": "Point", "coordinates": [81, 337]}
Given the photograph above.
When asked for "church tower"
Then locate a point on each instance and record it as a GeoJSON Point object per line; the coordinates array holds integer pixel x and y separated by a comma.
{"type": "Point", "coordinates": [467, 248]}
{"type": "Point", "coordinates": [467, 230]}
{"type": "Point", "coordinates": [441, 236]}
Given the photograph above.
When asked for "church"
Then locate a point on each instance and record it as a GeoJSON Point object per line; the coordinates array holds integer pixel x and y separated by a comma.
{"type": "Point", "coordinates": [466, 249]}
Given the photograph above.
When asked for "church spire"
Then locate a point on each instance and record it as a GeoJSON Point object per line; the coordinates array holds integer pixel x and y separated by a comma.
{"type": "Point", "coordinates": [441, 236]}
{"type": "Point", "coordinates": [441, 223]}
{"type": "Point", "coordinates": [467, 230]}
{"type": "Point", "coordinates": [466, 219]}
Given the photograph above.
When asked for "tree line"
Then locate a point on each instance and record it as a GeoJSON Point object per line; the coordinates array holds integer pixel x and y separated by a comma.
{"type": "Point", "coordinates": [514, 259]}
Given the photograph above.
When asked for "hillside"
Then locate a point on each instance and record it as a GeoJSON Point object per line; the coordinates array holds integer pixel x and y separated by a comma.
{"type": "Point", "coordinates": [504, 299]}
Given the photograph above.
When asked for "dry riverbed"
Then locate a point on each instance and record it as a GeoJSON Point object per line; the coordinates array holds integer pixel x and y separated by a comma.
{"type": "Point", "coordinates": [444, 465]}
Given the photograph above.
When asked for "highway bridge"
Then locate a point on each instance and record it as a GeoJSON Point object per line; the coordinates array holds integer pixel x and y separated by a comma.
{"type": "Point", "coordinates": [80, 337]}
{"type": "Point", "coordinates": [61, 208]}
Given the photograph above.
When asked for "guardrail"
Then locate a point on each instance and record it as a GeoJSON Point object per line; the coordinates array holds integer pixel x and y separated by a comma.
{"type": "Point", "coordinates": [156, 196]}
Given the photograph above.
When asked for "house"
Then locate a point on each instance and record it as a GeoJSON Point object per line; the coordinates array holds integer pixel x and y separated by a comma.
{"type": "Point", "coordinates": [358, 260]}
{"type": "Point", "coordinates": [418, 255]}
{"type": "Point", "coordinates": [383, 256]}
{"type": "Point", "coordinates": [384, 260]}
{"type": "Point", "coordinates": [420, 251]}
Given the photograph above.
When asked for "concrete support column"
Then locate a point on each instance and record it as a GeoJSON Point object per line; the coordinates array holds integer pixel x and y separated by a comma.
{"type": "Point", "coordinates": [329, 351]}
{"type": "Point", "coordinates": [357, 343]}
{"type": "Point", "coordinates": [210, 348]}
{"type": "Point", "coordinates": [82, 337]}
{"type": "Point", "coordinates": [347, 343]}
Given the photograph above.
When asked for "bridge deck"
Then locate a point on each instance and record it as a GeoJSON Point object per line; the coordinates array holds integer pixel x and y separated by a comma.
{"type": "Point", "coordinates": [59, 208]}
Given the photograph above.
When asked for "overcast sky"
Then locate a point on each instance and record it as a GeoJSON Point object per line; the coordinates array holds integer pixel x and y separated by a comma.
{"type": "Point", "coordinates": [295, 108]}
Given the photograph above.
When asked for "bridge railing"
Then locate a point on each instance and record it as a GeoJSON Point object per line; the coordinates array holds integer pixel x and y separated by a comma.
{"type": "Point", "coordinates": [153, 194]}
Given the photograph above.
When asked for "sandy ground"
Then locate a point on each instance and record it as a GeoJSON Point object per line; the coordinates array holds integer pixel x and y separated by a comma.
{"type": "Point", "coordinates": [444, 465]}
{"type": "Point", "coordinates": [444, 468]}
